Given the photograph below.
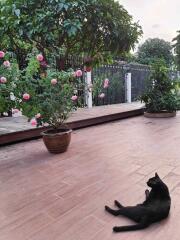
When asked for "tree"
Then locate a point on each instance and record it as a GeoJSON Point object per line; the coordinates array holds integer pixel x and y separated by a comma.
{"type": "Point", "coordinates": [177, 50]}
{"type": "Point", "coordinates": [92, 27]}
{"type": "Point", "coordinates": [154, 49]}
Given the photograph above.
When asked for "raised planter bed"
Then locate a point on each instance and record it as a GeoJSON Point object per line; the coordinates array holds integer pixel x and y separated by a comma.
{"type": "Point", "coordinates": [84, 118]}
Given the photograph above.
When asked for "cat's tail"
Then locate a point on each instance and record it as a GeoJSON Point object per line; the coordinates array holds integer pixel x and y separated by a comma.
{"type": "Point", "coordinates": [139, 226]}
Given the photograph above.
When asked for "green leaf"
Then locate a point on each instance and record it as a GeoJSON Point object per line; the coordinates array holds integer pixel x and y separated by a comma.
{"type": "Point", "coordinates": [60, 6]}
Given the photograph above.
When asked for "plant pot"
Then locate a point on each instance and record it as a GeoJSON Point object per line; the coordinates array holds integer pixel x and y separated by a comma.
{"type": "Point", "coordinates": [163, 114]}
{"type": "Point", "coordinates": [57, 141]}
{"type": "Point", "coordinates": [88, 68]}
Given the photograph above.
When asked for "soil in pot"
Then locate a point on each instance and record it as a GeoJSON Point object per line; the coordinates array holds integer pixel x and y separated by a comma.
{"type": "Point", "coordinates": [57, 141]}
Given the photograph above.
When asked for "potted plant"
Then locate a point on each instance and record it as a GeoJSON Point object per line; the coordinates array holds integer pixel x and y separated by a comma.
{"type": "Point", "coordinates": [161, 96]}
{"type": "Point", "coordinates": [88, 62]}
{"type": "Point", "coordinates": [8, 75]}
{"type": "Point", "coordinates": [48, 99]}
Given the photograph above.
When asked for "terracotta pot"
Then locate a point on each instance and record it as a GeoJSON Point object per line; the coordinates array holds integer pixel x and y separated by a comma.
{"type": "Point", "coordinates": [88, 69]}
{"type": "Point", "coordinates": [57, 141]}
{"type": "Point", "coordinates": [162, 114]}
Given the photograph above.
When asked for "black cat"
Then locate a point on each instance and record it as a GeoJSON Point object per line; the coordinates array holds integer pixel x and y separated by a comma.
{"type": "Point", "coordinates": [155, 208]}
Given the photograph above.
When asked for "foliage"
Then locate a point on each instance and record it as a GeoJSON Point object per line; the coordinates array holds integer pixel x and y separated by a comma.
{"type": "Point", "coordinates": [109, 28]}
{"type": "Point", "coordinates": [97, 28]}
{"type": "Point", "coordinates": [110, 93]}
{"type": "Point", "coordinates": [129, 57]}
{"type": "Point", "coordinates": [161, 94]}
{"type": "Point", "coordinates": [48, 96]}
{"type": "Point", "coordinates": [154, 49]}
{"type": "Point", "coordinates": [8, 77]}
{"type": "Point", "coordinates": [177, 50]}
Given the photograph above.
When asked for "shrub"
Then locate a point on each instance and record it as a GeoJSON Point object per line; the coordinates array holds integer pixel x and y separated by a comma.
{"type": "Point", "coordinates": [161, 93]}
{"type": "Point", "coordinates": [46, 95]}
{"type": "Point", "coordinates": [9, 74]}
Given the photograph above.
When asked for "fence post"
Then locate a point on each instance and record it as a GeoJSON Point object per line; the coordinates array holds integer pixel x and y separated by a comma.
{"type": "Point", "coordinates": [88, 92]}
{"type": "Point", "coordinates": [128, 87]}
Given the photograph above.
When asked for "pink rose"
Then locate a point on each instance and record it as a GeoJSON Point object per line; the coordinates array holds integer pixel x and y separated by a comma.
{"type": "Point", "coordinates": [3, 80]}
{"type": "Point", "coordinates": [33, 122]}
{"type": "Point", "coordinates": [26, 96]}
{"type": "Point", "coordinates": [54, 81]}
{"type": "Point", "coordinates": [15, 110]}
{"type": "Point", "coordinates": [38, 115]}
{"type": "Point", "coordinates": [102, 95]}
{"type": "Point", "coordinates": [6, 64]}
{"type": "Point", "coordinates": [2, 54]}
{"type": "Point", "coordinates": [106, 83]}
{"type": "Point", "coordinates": [40, 57]}
{"type": "Point", "coordinates": [74, 98]}
{"type": "Point", "coordinates": [78, 73]}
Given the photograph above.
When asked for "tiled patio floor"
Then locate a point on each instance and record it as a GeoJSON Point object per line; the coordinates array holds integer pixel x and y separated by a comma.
{"type": "Point", "coordinates": [62, 197]}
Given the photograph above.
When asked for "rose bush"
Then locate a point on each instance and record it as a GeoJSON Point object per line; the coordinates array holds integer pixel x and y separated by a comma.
{"type": "Point", "coordinates": [100, 87]}
{"type": "Point", "coordinates": [9, 73]}
{"type": "Point", "coordinates": [47, 96]}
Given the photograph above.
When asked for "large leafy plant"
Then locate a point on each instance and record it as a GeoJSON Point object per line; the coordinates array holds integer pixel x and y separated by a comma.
{"type": "Point", "coordinates": [45, 95]}
{"type": "Point", "coordinates": [96, 28]}
{"type": "Point", "coordinates": [161, 93]}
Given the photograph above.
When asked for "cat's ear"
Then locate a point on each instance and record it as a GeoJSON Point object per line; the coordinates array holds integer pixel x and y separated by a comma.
{"type": "Point", "coordinates": [156, 175]}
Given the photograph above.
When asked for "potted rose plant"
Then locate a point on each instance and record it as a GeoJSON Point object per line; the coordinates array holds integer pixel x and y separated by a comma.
{"type": "Point", "coordinates": [47, 97]}
{"type": "Point", "coordinates": [161, 96]}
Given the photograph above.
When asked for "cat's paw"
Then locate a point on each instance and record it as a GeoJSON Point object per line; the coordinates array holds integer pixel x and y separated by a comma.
{"type": "Point", "coordinates": [147, 192]}
{"type": "Point", "coordinates": [115, 229]}
{"type": "Point", "coordinates": [116, 202]}
{"type": "Point", "coordinates": [106, 208]}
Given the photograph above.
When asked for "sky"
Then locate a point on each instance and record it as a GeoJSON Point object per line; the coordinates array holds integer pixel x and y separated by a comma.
{"type": "Point", "coordinates": [158, 18]}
